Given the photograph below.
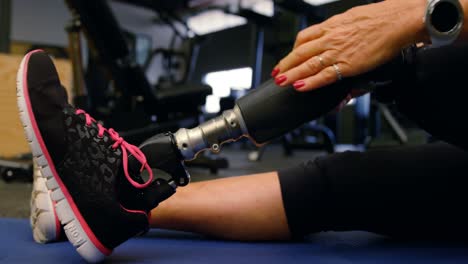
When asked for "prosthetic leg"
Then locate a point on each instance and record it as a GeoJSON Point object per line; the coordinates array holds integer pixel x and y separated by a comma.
{"type": "Point", "coordinates": [270, 111]}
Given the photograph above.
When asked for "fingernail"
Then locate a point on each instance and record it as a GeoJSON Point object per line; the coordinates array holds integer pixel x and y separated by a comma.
{"type": "Point", "coordinates": [298, 84]}
{"type": "Point", "coordinates": [280, 79]}
{"type": "Point", "coordinates": [275, 72]}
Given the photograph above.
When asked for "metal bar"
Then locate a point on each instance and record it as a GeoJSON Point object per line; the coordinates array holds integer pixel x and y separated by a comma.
{"type": "Point", "coordinates": [5, 25]}
{"type": "Point", "coordinates": [258, 56]}
{"type": "Point", "coordinates": [396, 128]}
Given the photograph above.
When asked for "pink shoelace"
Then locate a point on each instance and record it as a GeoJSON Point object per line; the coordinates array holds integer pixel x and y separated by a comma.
{"type": "Point", "coordinates": [125, 146]}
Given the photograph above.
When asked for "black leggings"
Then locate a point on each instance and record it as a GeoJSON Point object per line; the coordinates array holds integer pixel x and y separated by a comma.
{"type": "Point", "coordinates": [415, 191]}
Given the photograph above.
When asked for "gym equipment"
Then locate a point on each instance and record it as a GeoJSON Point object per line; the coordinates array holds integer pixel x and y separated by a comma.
{"type": "Point", "coordinates": [138, 109]}
{"type": "Point", "coordinates": [5, 25]}
{"type": "Point", "coordinates": [133, 92]}
{"type": "Point", "coordinates": [18, 169]}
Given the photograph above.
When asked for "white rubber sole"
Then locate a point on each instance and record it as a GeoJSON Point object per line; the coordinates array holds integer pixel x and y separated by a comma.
{"type": "Point", "coordinates": [44, 222]}
{"type": "Point", "coordinates": [74, 229]}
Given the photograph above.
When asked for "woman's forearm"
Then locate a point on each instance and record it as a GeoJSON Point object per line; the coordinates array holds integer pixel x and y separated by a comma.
{"type": "Point", "coordinates": [409, 17]}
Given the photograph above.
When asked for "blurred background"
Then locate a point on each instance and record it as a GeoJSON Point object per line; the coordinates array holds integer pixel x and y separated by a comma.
{"type": "Point", "coordinates": [145, 67]}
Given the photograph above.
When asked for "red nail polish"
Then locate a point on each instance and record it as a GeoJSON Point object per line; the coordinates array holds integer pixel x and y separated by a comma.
{"type": "Point", "coordinates": [298, 84]}
{"type": "Point", "coordinates": [280, 79]}
{"type": "Point", "coordinates": [275, 72]}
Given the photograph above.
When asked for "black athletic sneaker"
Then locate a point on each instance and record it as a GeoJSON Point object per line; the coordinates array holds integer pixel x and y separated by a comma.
{"type": "Point", "coordinates": [85, 164]}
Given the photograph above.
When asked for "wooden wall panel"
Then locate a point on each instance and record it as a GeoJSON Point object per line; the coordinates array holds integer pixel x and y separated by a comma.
{"type": "Point", "coordinates": [12, 139]}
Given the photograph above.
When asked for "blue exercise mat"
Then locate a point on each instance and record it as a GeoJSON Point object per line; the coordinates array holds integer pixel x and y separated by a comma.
{"type": "Point", "coordinates": [160, 246]}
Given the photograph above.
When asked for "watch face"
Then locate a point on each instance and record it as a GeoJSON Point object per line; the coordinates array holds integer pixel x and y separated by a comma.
{"type": "Point", "coordinates": [445, 16]}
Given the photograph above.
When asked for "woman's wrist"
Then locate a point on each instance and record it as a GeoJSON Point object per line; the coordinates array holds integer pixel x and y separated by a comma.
{"type": "Point", "coordinates": [416, 26]}
{"type": "Point", "coordinates": [411, 20]}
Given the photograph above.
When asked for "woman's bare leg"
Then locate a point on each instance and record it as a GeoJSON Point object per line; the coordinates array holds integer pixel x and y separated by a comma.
{"type": "Point", "coordinates": [238, 208]}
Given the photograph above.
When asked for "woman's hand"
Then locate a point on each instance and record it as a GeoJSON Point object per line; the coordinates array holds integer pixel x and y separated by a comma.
{"type": "Point", "coordinates": [351, 43]}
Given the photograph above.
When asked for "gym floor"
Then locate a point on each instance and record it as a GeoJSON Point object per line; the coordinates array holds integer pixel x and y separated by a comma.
{"type": "Point", "coordinates": [15, 196]}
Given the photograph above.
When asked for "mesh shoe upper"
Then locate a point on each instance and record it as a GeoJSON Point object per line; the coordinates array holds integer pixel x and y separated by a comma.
{"type": "Point", "coordinates": [94, 168]}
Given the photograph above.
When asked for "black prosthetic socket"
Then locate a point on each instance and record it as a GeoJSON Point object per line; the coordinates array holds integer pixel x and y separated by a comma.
{"type": "Point", "coordinates": [143, 199]}
{"type": "Point", "coordinates": [162, 153]}
{"type": "Point", "coordinates": [164, 157]}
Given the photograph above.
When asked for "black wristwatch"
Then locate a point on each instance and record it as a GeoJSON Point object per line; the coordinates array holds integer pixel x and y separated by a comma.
{"type": "Point", "coordinates": [444, 21]}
